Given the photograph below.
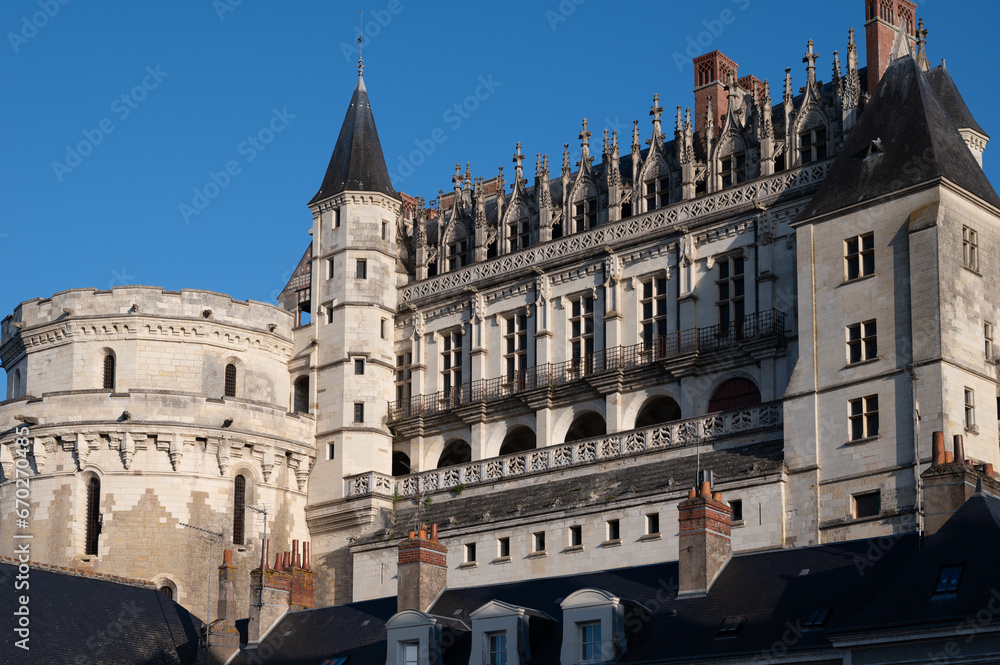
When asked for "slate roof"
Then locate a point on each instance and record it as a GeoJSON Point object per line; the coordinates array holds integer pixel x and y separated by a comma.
{"type": "Point", "coordinates": [919, 140]}
{"type": "Point", "coordinates": [357, 163]}
{"type": "Point", "coordinates": [96, 621]}
{"type": "Point", "coordinates": [946, 90]}
{"type": "Point", "coordinates": [602, 487]}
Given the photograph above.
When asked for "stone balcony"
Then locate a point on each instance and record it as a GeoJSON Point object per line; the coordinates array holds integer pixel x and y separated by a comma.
{"type": "Point", "coordinates": [708, 429]}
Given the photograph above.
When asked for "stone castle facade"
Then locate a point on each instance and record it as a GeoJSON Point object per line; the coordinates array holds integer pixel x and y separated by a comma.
{"type": "Point", "coordinates": [783, 295]}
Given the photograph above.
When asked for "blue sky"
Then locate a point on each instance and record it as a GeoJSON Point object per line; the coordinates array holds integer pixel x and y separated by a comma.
{"type": "Point", "coordinates": [164, 95]}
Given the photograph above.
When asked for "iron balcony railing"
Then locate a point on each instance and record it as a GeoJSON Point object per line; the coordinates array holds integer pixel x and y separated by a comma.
{"type": "Point", "coordinates": [770, 323]}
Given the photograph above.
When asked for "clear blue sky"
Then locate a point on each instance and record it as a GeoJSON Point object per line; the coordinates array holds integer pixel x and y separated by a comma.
{"type": "Point", "coordinates": [210, 74]}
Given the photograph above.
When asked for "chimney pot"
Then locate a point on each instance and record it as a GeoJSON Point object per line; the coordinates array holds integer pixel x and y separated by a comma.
{"type": "Point", "coordinates": [717, 496]}
{"type": "Point", "coordinates": [949, 457]}
{"type": "Point", "coordinates": [959, 448]}
{"type": "Point", "coordinates": [434, 532]}
{"type": "Point", "coordinates": [227, 558]}
{"type": "Point", "coordinates": [263, 554]}
{"type": "Point", "coordinates": [692, 493]}
{"type": "Point", "coordinates": [277, 561]}
{"type": "Point", "coordinates": [286, 560]}
{"type": "Point", "coordinates": [988, 470]}
{"type": "Point", "coordinates": [305, 556]}
{"type": "Point", "coordinates": [413, 534]}
{"type": "Point", "coordinates": [706, 489]}
{"type": "Point", "coordinates": [295, 555]}
{"type": "Point", "coordinates": [423, 532]}
{"type": "Point", "coordinates": [937, 452]}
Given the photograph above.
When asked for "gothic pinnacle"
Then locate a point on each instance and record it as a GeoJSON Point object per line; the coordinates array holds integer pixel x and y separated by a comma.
{"type": "Point", "coordinates": [680, 125]}
{"type": "Point", "coordinates": [636, 147]}
{"type": "Point", "coordinates": [810, 60]}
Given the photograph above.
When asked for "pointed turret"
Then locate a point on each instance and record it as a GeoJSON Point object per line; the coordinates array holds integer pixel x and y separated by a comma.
{"type": "Point", "coordinates": [357, 164]}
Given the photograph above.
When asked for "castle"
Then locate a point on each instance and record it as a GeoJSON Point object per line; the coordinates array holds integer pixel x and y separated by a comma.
{"type": "Point", "coordinates": [783, 298]}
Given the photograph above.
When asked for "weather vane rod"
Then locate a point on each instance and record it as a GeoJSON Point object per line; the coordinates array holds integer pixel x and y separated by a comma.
{"type": "Point", "coordinates": [361, 45]}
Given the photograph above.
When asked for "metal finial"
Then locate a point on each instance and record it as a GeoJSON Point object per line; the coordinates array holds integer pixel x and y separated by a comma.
{"type": "Point", "coordinates": [361, 45]}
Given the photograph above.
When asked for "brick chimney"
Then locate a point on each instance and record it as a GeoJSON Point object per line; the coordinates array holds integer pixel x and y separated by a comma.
{"type": "Point", "coordinates": [303, 589]}
{"type": "Point", "coordinates": [269, 595]}
{"type": "Point", "coordinates": [422, 572]}
{"type": "Point", "coordinates": [223, 638]}
{"type": "Point", "coordinates": [705, 544]}
{"type": "Point", "coordinates": [881, 20]}
{"type": "Point", "coordinates": [711, 73]}
{"type": "Point", "coordinates": [950, 481]}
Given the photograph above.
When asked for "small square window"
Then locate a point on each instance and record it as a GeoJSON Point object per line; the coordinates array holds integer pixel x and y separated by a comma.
{"type": "Point", "coordinates": [538, 541]}
{"type": "Point", "coordinates": [575, 536]}
{"type": "Point", "coordinates": [329, 268]}
{"type": "Point", "coordinates": [949, 578]}
{"type": "Point", "coordinates": [330, 451]}
{"type": "Point", "coordinates": [470, 553]}
{"type": "Point", "coordinates": [503, 547]}
{"type": "Point", "coordinates": [359, 366]}
{"type": "Point", "coordinates": [737, 507]}
{"type": "Point", "coordinates": [590, 642]}
{"type": "Point", "coordinates": [359, 412]}
{"type": "Point", "coordinates": [868, 504]}
{"type": "Point", "coordinates": [652, 524]}
{"type": "Point", "coordinates": [614, 530]}
{"type": "Point", "coordinates": [362, 270]}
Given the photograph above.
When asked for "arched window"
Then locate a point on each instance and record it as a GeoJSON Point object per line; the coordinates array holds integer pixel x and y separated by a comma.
{"type": "Point", "coordinates": [301, 396]}
{"type": "Point", "coordinates": [93, 515]}
{"type": "Point", "coordinates": [16, 385]}
{"type": "Point", "coordinates": [167, 591]}
{"type": "Point", "coordinates": [734, 394]}
{"type": "Point", "coordinates": [585, 426]}
{"type": "Point", "coordinates": [518, 440]}
{"type": "Point", "coordinates": [400, 464]}
{"type": "Point", "coordinates": [456, 452]}
{"type": "Point", "coordinates": [239, 508]}
{"type": "Point", "coordinates": [109, 371]}
{"type": "Point", "coordinates": [230, 388]}
{"type": "Point", "coordinates": [656, 411]}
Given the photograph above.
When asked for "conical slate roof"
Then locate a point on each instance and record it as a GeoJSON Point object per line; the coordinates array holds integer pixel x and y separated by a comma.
{"type": "Point", "coordinates": [948, 93]}
{"type": "Point", "coordinates": [905, 137]}
{"type": "Point", "coordinates": [357, 164]}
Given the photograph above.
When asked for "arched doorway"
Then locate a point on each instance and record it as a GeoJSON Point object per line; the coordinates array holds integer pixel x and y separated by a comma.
{"type": "Point", "coordinates": [456, 452]}
{"type": "Point", "coordinates": [585, 426]}
{"type": "Point", "coordinates": [400, 464]}
{"type": "Point", "coordinates": [518, 440]}
{"type": "Point", "coordinates": [658, 410]}
{"type": "Point", "coordinates": [734, 394]}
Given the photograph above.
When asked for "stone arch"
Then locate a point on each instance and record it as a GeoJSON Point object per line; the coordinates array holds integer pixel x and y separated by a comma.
{"type": "Point", "coordinates": [164, 582]}
{"type": "Point", "coordinates": [108, 369]}
{"type": "Point", "coordinates": [300, 395]}
{"type": "Point", "coordinates": [517, 212]}
{"type": "Point", "coordinates": [734, 393]}
{"type": "Point", "coordinates": [586, 425]}
{"type": "Point", "coordinates": [239, 380]}
{"type": "Point", "coordinates": [456, 451]}
{"type": "Point", "coordinates": [517, 440]}
{"type": "Point", "coordinates": [657, 410]}
{"type": "Point", "coordinates": [401, 463]}
{"type": "Point", "coordinates": [89, 511]}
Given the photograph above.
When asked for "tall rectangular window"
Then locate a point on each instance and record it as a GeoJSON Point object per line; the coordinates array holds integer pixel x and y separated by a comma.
{"type": "Point", "coordinates": [336, 219]}
{"type": "Point", "coordinates": [329, 268]}
{"type": "Point", "coordinates": [970, 249]}
{"type": "Point", "coordinates": [652, 524]}
{"type": "Point", "coordinates": [385, 230]}
{"type": "Point", "coordinates": [970, 409]}
{"type": "Point", "coordinates": [734, 169]}
{"type": "Point", "coordinates": [538, 542]}
{"type": "Point", "coordinates": [988, 336]}
{"type": "Point", "coordinates": [590, 642]}
{"type": "Point", "coordinates": [614, 530]}
{"type": "Point", "coordinates": [359, 412]}
{"type": "Point", "coordinates": [362, 269]}
{"type": "Point", "coordinates": [813, 145]}
{"type": "Point", "coordinates": [383, 326]}
{"type": "Point", "coordinates": [517, 234]}
{"type": "Point", "coordinates": [864, 417]}
{"type": "Point", "coordinates": [859, 256]}
{"type": "Point", "coordinates": [731, 289]}
{"type": "Point", "coordinates": [515, 348]}
{"type": "Point", "coordinates": [451, 359]}
{"type": "Point", "coordinates": [470, 553]}
{"type": "Point", "coordinates": [654, 311]}
{"type": "Point", "coordinates": [403, 376]}
{"type": "Point", "coordinates": [581, 336]}
{"type": "Point", "coordinates": [457, 254]}
{"type": "Point", "coordinates": [657, 193]}
{"type": "Point", "coordinates": [497, 648]}
{"type": "Point", "coordinates": [109, 373]}
{"type": "Point", "coordinates": [411, 653]}
{"type": "Point", "coordinates": [584, 215]}
{"type": "Point", "coordinates": [359, 366]}
{"type": "Point", "coordinates": [575, 536]}
{"type": "Point", "coordinates": [862, 342]}
{"type": "Point", "coordinates": [503, 548]}
{"type": "Point", "coordinates": [868, 504]}
{"type": "Point", "coordinates": [93, 516]}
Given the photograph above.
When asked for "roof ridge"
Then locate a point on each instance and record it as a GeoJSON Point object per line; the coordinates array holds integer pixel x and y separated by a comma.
{"type": "Point", "coordinates": [77, 572]}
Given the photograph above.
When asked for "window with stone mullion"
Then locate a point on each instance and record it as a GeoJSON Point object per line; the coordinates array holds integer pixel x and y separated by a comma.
{"type": "Point", "coordinates": [582, 331]}
{"type": "Point", "coordinates": [515, 346]}
{"type": "Point", "coordinates": [451, 357]}
{"type": "Point", "coordinates": [730, 301]}
{"type": "Point", "coordinates": [654, 311]}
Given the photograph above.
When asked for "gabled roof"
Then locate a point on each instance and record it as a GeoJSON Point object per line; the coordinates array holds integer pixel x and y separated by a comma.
{"type": "Point", "coordinates": [919, 144]}
{"type": "Point", "coordinates": [104, 622]}
{"type": "Point", "coordinates": [946, 90]}
{"type": "Point", "coordinates": [357, 163]}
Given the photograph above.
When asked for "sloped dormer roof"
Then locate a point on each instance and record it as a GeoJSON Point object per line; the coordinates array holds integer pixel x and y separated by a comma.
{"type": "Point", "coordinates": [357, 163]}
{"type": "Point", "coordinates": [918, 143]}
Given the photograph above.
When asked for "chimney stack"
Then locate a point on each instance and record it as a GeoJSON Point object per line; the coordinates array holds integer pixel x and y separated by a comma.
{"type": "Point", "coordinates": [223, 638]}
{"type": "Point", "coordinates": [290, 585]}
{"type": "Point", "coordinates": [947, 484]}
{"type": "Point", "coordinates": [882, 19]}
{"type": "Point", "coordinates": [422, 571]}
{"type": "Point", "coordinates": [303, 587]}
{"type": "Point", "coordinates": [711, 74]}
{"type": "Point", "coordinates": [705, 541]}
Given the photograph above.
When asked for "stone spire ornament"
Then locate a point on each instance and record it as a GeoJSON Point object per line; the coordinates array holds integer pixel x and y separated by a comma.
{"type": "Point", "coordinates": [922, 47]}
{"type": "Point", "coordinates": [656, 111]}
{"type": "Point", "coordinates": [585, 158]}
{"type": "Point", "coordinates": [565, 166]}
{"type": "Point", "coordinates": [810, 60]}
{"type": "Point", "coordinates": [518, 165]}
{"type": "Point", "coordinates": [457, 180]}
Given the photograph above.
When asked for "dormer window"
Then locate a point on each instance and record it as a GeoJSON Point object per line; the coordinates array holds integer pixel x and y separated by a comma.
{"type": "Point", "coordinates": [734, 169]}
{"type": "Point", "coordinates": [657, 193]}
{"type": "Point", "coordinates": [816, 618]}
{"type": "Point", "coordinates": [458, 252]}
{"type": "Point", "coordinates": [496, 645]}
{"type": "Point", "coordinates": [812, 145]}
{"type": "Point", "coordinates": [500, 633]}
{"type": "Point", "coordinates": [594, 627]}
{"type": "Point", "coordinates": [948, 579]}
{"type": "Point", "coordinates": [585, 215]}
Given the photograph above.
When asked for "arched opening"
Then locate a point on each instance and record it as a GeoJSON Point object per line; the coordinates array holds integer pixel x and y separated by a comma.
{"type": "Point", "coordinates": [518, 440]}
{"type": "Point", "coordinates": [167, 591]}
{"type": "Point", "coordinates": [658, 410]}
{"type": "Point", "coordinates": [230, 387]}
{"type": "Point", "coordinates": [109, 371]}
{"type": "Point", "coordinates": [734, 394]}
{"type": "Point", "coordinates": [456, 452]}
{"type": "Point", "coordinates": [300, 400]}
{"type": "Point", "coordinates": [400, 464]}
{"type": "Point", "coordinates": [93, 515]}
{"type": "Point", "coordinates": [585, 426]}
{"type": "Point", "coordinates": [239, 508]}
{"type": "Point", "coordinates": [16, 384]}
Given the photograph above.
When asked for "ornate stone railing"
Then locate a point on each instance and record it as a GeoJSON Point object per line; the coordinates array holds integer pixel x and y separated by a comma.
{"type": "Point", "coordinates": [610, 234]}
{"type": "Point", "coordinates": [702, 429]}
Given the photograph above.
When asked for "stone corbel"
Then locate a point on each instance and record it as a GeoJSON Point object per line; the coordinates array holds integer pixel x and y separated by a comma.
{"type": "Point", "coordinates": [40, 451]}
{"type": "Point", "coordinates": [81, 450]}
{"type": "Point", "coordinates": [7, 461]}
{"type": "Point", "coordinates": [127, 450]}
{"type": "Point", "coordinates": [176, 451]}
{"type": "Point", "coordinates": [267, 464]}
{"type": "Point", "coordinates": [222, 455]}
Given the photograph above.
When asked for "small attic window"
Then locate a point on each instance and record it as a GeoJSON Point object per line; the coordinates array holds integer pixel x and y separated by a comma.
{"type": "Point", "coordinates": [816, 618]}
{"type": "Point", "coordinates": [731, 625]}
{"type": "Point", "coordinates": [949, 578]}
{"type": "Point", "coordinates": [875, 148]}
